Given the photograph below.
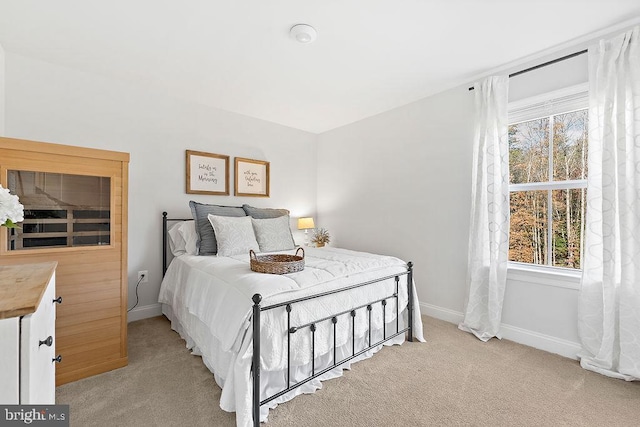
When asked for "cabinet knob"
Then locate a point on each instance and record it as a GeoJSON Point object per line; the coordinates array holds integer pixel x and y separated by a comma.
{"type": "Point", "coordinates": [58, 300]}
{"type": "Point", "coordinates": [46, 342]}
{"type": "Point", "coordinates": [57, 359]}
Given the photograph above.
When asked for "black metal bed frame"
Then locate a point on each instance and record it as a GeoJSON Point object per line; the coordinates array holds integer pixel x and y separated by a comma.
{"type": "Point", "coordinates": [352, 312]}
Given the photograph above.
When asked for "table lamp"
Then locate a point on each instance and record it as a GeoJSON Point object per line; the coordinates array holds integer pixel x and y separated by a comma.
{"type": "Point", "coordinates": [306, 224]}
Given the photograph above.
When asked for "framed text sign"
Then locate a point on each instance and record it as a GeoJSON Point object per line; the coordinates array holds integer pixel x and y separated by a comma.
{"type": "Point", "coordinates": [207, 173]}
{"type": "Point", "coordinates": [252, 178]}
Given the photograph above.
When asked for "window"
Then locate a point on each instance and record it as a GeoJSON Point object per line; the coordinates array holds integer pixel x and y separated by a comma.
{"type": "Point", "coordinates": [60, 210]}
{"type": "Point", "coordinates": [548, 171]}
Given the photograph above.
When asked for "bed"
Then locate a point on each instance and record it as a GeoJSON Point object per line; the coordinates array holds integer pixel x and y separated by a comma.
{"type": "Point", "coordinates": [267, 338]}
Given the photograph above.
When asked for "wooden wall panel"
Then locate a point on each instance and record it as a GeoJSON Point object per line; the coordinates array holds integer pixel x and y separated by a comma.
{"type": "Point", "coordinates": [91, 325]}
{"type": "Point", "coordinates": [86, 356]}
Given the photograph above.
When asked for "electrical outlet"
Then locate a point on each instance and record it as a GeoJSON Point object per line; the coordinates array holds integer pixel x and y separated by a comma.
{"type": "Point", "coordinates": [144, 275]}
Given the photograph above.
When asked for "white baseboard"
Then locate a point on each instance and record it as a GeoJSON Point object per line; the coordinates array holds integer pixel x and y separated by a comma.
{"type": "Point", "coordinates": [533, 339]}
{"type": "Point", "coordinates": [540, 341]}
{"type": "Point", "coordinates": [144, 312]}
{"type": "Point", "coordinates": [441, 313]}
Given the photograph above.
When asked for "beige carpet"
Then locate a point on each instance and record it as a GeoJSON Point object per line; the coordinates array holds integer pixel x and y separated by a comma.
{"type": "Point", "coordinates": [452, 380]}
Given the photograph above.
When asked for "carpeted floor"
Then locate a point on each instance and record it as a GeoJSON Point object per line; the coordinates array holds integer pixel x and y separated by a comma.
{"type": "Point", "coordinates": [452, 380]}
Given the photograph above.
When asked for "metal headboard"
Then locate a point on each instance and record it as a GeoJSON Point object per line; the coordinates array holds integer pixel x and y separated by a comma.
{"type": "Point", "coordinates": [165, 236]}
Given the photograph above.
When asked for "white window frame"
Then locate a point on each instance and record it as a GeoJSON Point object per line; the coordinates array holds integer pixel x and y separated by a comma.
{"type": "Point", "coordinates": [562, 101]}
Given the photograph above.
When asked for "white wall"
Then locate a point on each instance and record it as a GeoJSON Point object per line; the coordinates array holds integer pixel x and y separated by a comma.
{"type": "Point", "coordinates": [400, 183]}
{"type": "Point", "coordinates": [54, 104]}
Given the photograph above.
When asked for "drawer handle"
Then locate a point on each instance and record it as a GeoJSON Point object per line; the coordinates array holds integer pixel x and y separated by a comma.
{"type": "Point", "coordinates": [57, 359]}
{"type": "Point", "coordinates": [58, 300]}
{"type": "Point", "coordinates": [47, 342]}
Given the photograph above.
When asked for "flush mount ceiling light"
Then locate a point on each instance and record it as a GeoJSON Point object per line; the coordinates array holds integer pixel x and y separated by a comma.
{"type": "Point", "coordinates": [303, 33]}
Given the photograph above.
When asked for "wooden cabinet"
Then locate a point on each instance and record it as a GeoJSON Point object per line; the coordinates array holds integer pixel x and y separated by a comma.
{"type": "Point", "coordinates": [75, 214]}
{"type": "Point", "coordinates": [27, 334]}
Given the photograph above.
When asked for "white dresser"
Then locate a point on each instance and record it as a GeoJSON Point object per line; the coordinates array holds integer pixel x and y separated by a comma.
{"type": "Point", "coordinates": [27, 333]}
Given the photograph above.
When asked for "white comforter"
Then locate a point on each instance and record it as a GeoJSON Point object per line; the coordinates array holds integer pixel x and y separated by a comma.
{"type": "Point", "coordinates": [218, 291]}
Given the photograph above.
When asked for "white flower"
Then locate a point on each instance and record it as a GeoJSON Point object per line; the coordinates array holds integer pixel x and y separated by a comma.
{"type": "Point", "coordinates": [11, 210]}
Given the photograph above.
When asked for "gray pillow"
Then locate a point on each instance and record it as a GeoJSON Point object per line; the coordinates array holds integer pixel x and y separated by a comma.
{"type": "Point", "coordinates": [207, 244]}
{"type": "Point", "coordinates": [273, 234]}
{"type": "Point", "coordinates": [263, 213]}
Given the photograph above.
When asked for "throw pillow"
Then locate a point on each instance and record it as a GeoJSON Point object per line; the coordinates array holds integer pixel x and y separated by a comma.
{"type": "Point", "coordinates": [273, 234]}
{"type": "Point", "coordinates": [262, 213]}
{"type": "Point", "coordinates": [235, 236]}
{"type": "Point", "coordinates": [206, 243]}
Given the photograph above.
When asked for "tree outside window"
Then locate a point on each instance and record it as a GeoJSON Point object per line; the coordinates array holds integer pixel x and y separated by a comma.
{"type": "Point", "coordinates": [548, 171]}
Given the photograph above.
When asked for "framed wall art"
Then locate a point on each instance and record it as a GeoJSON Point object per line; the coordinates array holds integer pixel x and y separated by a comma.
{"type": "Point", "coordinates": [252, 178]}
{"type": "Point", "coordinates": [207, 173]}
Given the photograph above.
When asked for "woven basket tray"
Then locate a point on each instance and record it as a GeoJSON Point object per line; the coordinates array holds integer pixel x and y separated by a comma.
{"type": "Point", "coordinates": [277, 263]}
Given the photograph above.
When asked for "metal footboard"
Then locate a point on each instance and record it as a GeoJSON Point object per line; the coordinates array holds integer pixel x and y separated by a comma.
{"type": "Point", "coordinates": [353, 312]}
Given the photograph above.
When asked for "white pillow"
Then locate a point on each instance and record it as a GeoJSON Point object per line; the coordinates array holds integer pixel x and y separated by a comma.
{"type": "Point", "coordinates": [176, 241]}
{"type": "Point", "coordinates": [188, 231]}
{"type": "Point", "coordinates": [234, 235]}
{"type": "Point", "coordinates": [273, 234]}
{"type": "Point", "coordinates": [183, 238]}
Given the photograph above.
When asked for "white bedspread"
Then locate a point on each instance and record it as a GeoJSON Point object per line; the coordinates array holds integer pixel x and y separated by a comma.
{"type": "Point", "coordinates": [218, 291]}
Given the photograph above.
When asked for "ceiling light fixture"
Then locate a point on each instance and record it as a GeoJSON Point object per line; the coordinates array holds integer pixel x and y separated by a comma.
{"type": "Point", "coordinates": [303, 33]}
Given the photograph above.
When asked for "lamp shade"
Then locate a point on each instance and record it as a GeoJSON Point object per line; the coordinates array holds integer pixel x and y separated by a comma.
{"type": "Point", "coordinates": [305, 223]}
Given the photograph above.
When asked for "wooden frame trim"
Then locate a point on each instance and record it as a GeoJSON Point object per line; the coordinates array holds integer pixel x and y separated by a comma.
{"type": "Point", "coordinates": [189, 190]}
{"type": "Point", "coordinates": [264, 163]}
{"type": "Point", "coordinates": [124, 268]}
{"type": "Point", "coordinates": [67, 150]}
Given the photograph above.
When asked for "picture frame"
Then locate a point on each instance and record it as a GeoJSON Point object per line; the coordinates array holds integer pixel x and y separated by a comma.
{"type": "Point", "coordinates": [252, 177]}
{"type": "Point", "coordinates": [207, 173]}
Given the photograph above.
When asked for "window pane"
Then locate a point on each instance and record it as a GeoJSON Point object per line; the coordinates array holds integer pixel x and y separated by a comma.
{"type": "Point", "coordinates": [570, 145]}
{"type": "Point", "coordinates": [528, 233]}
{"type": "Point", "coordinates": [60, 210]}
{"type": "Point", "coordinates": [529, 151]}
{"type": "Point", "coordinates": [568, 215]}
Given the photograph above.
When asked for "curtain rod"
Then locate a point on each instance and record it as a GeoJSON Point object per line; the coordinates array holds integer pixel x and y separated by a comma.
{"type": "Point", "coordinates": [553, 61]}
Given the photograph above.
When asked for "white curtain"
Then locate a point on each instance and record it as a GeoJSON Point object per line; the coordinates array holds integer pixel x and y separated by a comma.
{"type": "Point", "coordinates": [609, 310]}
{"type": "Point", "coordinates": [489, 229]}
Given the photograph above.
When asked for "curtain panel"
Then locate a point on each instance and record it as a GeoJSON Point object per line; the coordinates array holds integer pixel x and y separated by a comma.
{"type": "Point", "coordinates": [609, 303]}
{"type": "Point", "coordinates": [489, 228]}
